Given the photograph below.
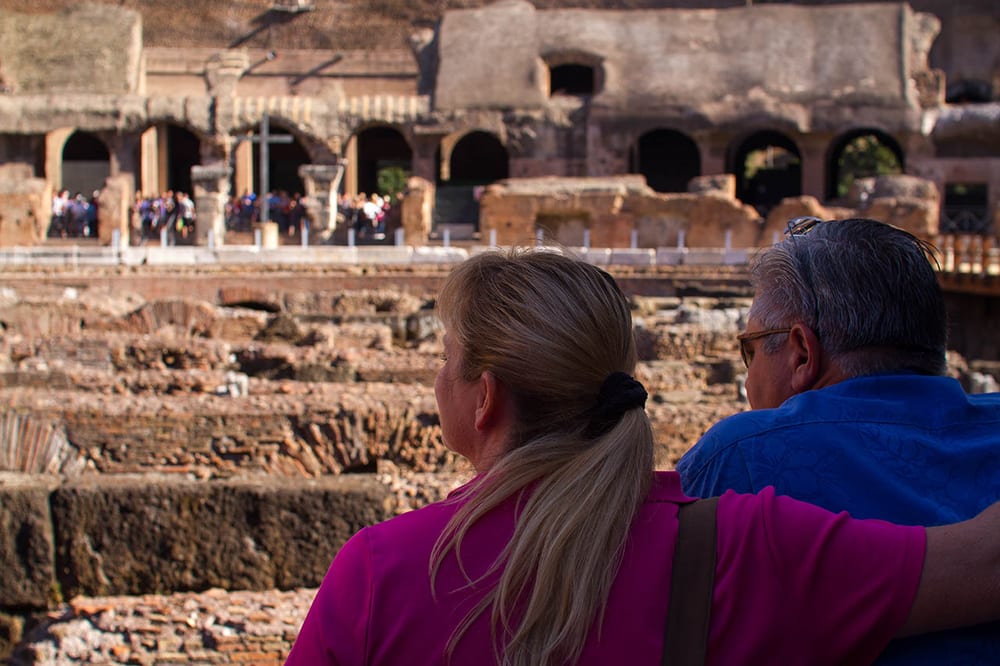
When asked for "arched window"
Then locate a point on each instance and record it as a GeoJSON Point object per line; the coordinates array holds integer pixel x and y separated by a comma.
{"type": "Point", "coordinates": [861, 153]}
{"type": "Point", "coordinates": [574, 74]}
{"type": "Point", "coordinates": [86, 163]}
{"type": "Point", "coordinates": [384, 157]}
{"type": "Point", "coordinates": [478, 159]}
{"type": "Point", "coordinates": [667, 158]}
{"type": "Point", "coordinates": [768, 168]}
{"type": "Point", "coordinates": [571, 80]}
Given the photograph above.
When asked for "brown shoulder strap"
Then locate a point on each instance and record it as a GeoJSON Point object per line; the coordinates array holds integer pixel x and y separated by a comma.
{"type": "Point", "coordinates": [691, 585]}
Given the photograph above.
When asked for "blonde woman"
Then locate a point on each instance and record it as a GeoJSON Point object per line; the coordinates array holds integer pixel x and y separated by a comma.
{"type": "Point", "coordinates": [559, 551]}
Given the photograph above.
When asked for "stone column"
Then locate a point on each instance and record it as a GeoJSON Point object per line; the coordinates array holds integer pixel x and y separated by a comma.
{"type": "Point", "coordinates": [211, 191]}
{"type": "Point", "coordinates": [321, 183]}
{"type": "Point", "coordinates": [150, 162]}
{"type": "Point", "coordinates": [351, 166]}
{"type": "Point", "coordinates": [417, 208]}
{"type": "Point", "coordinates": [114, 210]}
{"type": "Point", "coordinates": [123, 156]}
{"type": "Point", "coordinates": [424, 161]}
{"type": "Point", "coordinates": [812, 151]}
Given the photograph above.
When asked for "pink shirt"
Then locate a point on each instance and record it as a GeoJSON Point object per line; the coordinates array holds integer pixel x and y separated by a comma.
{"type": "Point", "coordinates": [795, 584]}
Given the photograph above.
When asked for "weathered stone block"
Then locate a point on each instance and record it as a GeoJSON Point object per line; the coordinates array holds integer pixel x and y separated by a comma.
{"type": "Point", "coordinates": [24, 209]}
{"type": "Point", "coordinates": [136, 536]}
{"type": "Point", "coordinates": [26, 542]}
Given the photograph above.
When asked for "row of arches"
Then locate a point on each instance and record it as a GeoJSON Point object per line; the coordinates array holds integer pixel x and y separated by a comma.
{"type": "Point", "coordinates": [767, 164]}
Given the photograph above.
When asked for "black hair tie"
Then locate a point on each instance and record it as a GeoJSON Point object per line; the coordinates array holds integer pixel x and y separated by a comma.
{"type": "Point", "coordinates": [619, 393]}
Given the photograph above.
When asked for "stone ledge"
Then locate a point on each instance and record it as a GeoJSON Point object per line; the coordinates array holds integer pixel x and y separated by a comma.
{"type": "Point", "coordinates": [143, 534]}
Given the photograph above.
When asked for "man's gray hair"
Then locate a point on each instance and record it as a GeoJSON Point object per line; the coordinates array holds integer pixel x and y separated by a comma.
{"type": "Point", "coordinates": [867, 289]}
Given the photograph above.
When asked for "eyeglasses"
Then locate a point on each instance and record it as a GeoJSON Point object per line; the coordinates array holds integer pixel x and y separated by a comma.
{"type": "Point", "coordinates": [800, 226]}
{"type": "Point", "coordinates": [746, 353]}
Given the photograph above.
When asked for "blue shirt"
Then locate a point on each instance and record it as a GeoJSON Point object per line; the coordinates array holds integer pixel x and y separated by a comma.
{"type": "Point", "coordinates": [910, 449]}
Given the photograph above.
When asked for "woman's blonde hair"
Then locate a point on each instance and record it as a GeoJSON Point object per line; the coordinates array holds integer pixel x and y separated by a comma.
{"type": "Point", "coordinates": [551, 329]}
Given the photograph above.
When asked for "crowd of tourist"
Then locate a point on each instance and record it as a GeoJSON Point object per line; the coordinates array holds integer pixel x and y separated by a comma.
{"type": "Point", "coordinates": [365, 214]}
{"type": "Point", "coordinates": [285, 210]}
{"type": "Point", "coordinates": [73, 216]}
{"type": "Point", "coordinates": [173, 212]}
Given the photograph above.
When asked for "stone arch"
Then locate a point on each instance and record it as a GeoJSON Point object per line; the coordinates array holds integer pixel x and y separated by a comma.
{"type": "Point", "coordinates": [478, 158]}
{"type": "Point", "coordinates": [667, 158]}
{"type": "Point", "coordinates": [474, 160]}
{"type": "Point", "coordinates": [381, 147]}
{"type": "Point", "coordinates": [86, 163]}
{"type": "Point", "coordinates": [860, 153]}
{"type": "Point", "coordinates": [768, 168]}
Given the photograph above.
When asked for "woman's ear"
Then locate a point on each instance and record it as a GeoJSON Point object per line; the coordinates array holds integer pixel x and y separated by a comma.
{"type": "Point", "coordinates": [806, 357]}
{"type": "Point", "coordinates": [489, 404]}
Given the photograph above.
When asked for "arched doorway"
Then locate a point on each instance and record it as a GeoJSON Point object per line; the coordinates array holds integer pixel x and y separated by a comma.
{"type": "Point", "coordinates": [86, 164]}
{"type": "Point", "coordinates": [768, 168]}
{"type": "Point", "coordinates": [478, 159]}
{"type": "Point", "coordinates": [857, 154]}
{"type": "Point", "coordinates": [667, 158]}
{"type": "Point", "coordinates": [384, 161]}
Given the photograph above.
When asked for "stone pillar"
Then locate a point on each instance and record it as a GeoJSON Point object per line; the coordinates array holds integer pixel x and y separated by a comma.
{"type": "Point", "coordinates": [113, 210]}
{"type": "Point", "coordinates": [211, 191]}
{"type": "Point", "coordinates": [321, 182]}
{"type": "Point", "coordinates": [417, 208]}
{"type": "Point", "coordinates": [424, 161]}
{"type": "Point", "coordinates": [812, 152]}
{"type": "Point", "coordinates": [149, 156]}
{"type": "Point", "coordinates": [243, 165]}
{"type": "Point", "coordinates": [124, 153]}
{"type": "Point", "coordinates": [351, 171]}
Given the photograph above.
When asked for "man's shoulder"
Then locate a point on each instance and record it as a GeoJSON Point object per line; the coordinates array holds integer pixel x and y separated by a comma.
{"type": "Point", "coordinates": [719, 448]}
{"type": "Point", "coordinates": [750, 424]}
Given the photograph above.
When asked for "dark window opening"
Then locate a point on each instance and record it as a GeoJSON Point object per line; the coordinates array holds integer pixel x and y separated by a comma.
{"type": "Point", "coordinates": [571, 80]}
{"type": "Point", "coordinates": [966, 209]}
{"type": "Point", "coordinates": [668, 159]}
{"type": "Point", "coordinates": [384, 160]}
{"type": "Point", "coordinates": [768, 169]}
{"type": "Point", "coordinates": [183, 152]}
{"type": "Point", "coordinates": [969, 92]}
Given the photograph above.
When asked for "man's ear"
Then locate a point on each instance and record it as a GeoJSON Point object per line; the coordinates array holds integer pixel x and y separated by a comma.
{"type": "Point", "coordinates": [489, 402]}
{"type": "Point", "coordinates": [805, 357]}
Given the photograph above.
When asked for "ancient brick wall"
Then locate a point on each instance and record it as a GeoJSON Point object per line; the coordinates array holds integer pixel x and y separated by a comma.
{"type": "Point", "coordinates": [87, 49]}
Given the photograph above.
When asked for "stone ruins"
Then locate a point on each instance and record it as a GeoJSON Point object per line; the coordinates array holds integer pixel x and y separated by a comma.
{"type": "Point", "coordinates": [779, 97]}
{"type": "Point", "coordinates": [174, 431]}
{"type": "Point", "coordinates": [183, 449]}
{"type": "Point", "coordinates": [173, 435]}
